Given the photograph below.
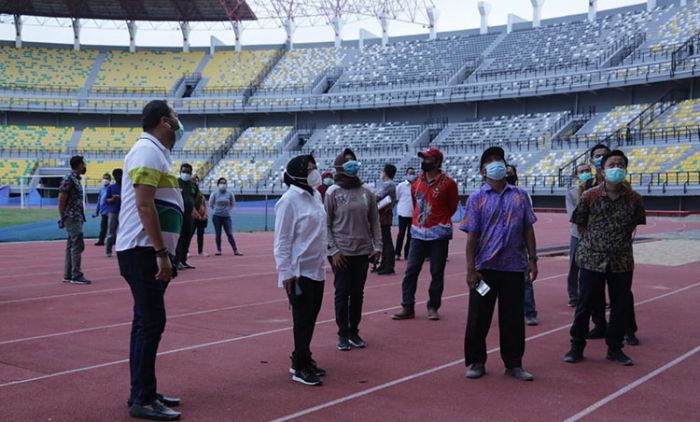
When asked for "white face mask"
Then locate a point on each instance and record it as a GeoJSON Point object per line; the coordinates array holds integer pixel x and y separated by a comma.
{"type": "Point", "coordinates": [105, 182]}
{"type": "Point", "coordinates": [314, 179]}
{"type": "Point", "coordinates": [411, 177]}
{"type": "Point", "coordinates": [186, 177]}
{"type": "Point", "coordinates": [222, 188]}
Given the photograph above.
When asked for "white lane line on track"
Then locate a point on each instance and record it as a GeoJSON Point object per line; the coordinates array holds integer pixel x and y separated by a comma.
{"type": "Point", "coordinates": [214, 343]}
{"type": "Point", "coordinates": [429, 371]}
{"type": "Point", "coordinates": [631, 386]}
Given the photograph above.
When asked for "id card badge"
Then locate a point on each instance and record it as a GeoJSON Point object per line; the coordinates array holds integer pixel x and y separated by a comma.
{"type": "Point", "coordinates": [482, 288]}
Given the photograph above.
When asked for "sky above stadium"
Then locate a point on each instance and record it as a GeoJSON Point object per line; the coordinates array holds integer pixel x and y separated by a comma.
{"type": "Point", "coordinates": [453, 15]}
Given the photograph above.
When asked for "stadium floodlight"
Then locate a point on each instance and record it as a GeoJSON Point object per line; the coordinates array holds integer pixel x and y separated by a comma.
{"type": "Point", "coordinates": [484, 11]}
{"type": "Point", "coordinates": [592, 10]}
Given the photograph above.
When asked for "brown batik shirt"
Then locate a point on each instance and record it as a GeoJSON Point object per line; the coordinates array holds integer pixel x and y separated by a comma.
{"type": "Point", "coordinates": [606, 244]}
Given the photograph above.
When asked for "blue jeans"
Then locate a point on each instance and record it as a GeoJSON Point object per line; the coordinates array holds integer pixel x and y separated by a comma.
{"type": "Point", "coordinates": [224, 222]}
{"type": "Point", "coordinates": [436, 250]}
{"type": "Point", "coordinates": [529, 306]}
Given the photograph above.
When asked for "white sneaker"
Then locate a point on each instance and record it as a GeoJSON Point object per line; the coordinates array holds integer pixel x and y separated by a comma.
{"type": "Point", "coordinates": [203, 254]}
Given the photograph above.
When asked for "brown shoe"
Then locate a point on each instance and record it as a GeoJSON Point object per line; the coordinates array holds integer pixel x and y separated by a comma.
{"type": "Point", "coordinates": [433, 315]}
{"type": "Point", "coordinates": [406, 313]}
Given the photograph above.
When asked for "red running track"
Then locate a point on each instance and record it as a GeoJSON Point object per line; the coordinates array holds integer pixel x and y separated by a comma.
{"type": "Point", "coordinates": [64, 348]}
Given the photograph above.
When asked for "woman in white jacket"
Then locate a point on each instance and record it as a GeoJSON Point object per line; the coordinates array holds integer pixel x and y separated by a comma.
{"type": "Point", "coordinates": [300, 255]}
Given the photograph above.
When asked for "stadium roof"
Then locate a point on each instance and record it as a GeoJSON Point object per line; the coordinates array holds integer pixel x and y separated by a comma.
{"type": "Point", "coordinates": [138, 10]}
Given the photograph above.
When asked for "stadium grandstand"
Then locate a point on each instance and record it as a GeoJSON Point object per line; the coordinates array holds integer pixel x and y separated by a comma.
{"type": "Point", "coordinates": [545, 91]}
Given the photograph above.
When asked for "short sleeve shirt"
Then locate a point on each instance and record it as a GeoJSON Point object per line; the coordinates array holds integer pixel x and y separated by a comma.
{"type": "Point", "coordinates": [149, 163]}
{"type": "Point", "coordinates": [606, 244]}
{"type": "Point", "coordinates": [500, 220]}
{"type": "Point", "coordinates": [70, 185]}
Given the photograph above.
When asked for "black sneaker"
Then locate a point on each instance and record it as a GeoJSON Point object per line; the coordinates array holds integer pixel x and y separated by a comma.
{"type": "Point", "coordinates": [574, 355]}
{"type": "Point", "coordinates": [306, 376]}
{"type": "Point", "coordinates": [596, 333]}
{"type": "Point", "coordinates": [80, 280]}
{"type": "Point", "coordinates": [357, 342]}
{"type": "Point", "coordinates": [572, 304]}
{"type": "Point", "coordinates": [343, 344]}
{"type": "Point", "coordinates": [155, 411]}
{"type": "Point", "coordinates": [66, 279]}
{"type": "Point", "coordinates": [631, 340]}
{"type": "Point", "coordinates": [619, 357]}
{"type": "Point", "coordinates": [314, 367]}
{"type": "Point", "coordinates": [188, 266]}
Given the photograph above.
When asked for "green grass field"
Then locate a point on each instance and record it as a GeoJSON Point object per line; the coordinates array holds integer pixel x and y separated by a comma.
{"type": "Point", "coordinates": [15, 216]}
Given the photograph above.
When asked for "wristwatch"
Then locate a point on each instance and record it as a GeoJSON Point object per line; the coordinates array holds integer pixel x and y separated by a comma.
{"type": "Point", "coordinates": [534, 258]}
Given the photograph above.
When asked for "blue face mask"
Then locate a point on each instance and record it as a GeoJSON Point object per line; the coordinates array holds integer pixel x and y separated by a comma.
{"type": "Point", "coordinates": [351, 168]}
{"type": "Point", "coordinates": [598, 163]}
{"type": "Point", "coordinates": [584, 177]}
{"type": "Point", "coordinates": [179, 132]}
{"type": "Point", "coordinates": [615, 175]}
{"type": "Point", "coordinates": [496, 170]}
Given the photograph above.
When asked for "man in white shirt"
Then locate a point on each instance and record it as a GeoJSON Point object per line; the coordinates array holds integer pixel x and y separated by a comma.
{"type": "Point", "coordinates": [405, 211]}
{"type": "Point", "coordinates": [150, 220]}
{"type": "Point", "coordinates": [301, 243]}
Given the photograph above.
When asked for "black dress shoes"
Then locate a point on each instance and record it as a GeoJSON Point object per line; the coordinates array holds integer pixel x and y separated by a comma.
{"type": "Point", "coordinates": [155, 411]}
{"type": "Point", "coordinates": [168, 401]}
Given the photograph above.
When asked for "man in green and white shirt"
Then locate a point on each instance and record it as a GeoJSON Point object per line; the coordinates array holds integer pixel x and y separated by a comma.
{"type": "Point", "coordinates": [150, 221]}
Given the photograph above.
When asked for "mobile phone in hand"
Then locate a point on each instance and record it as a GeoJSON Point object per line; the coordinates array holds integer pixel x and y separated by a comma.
{"type": "Point", "coordinates": [482, 288]}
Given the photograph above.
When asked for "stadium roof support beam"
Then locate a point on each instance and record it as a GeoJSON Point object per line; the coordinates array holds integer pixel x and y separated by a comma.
{"type": "Point", "coordinates": [536, 12]}
{"type": "Point", "coordinates": [384, 23]}
{"type": "Point", "coordinates": [76, 33]}
{"type": "Point", "coordinates": [290, 27]}
{"type": "Point", "coordinates": [651, 5]}
{"type": "Point", "coordinates": [433, 15]}
{"type": "Point", "coordinates": [185, 28]}
{"type": "Point", "coordinates": [592, 10]}
{"type": "Point", "coordinates": [18, 31]}
{"type": "Point", "coordinates": [512, 20]}
{"type": "Point", "coordinates": [484, 11]}
{"type": "Point", "coordinates": [337, 24]}
{"type": "Point", "coordinates": [237, 32]}
{"type": "Point", "coordinates": [131, 26]}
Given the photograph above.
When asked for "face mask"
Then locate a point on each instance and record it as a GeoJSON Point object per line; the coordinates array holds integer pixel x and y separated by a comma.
{"type": "Point", "coordinates": [411, 178]}
{"type": "Point", "coordinates": [179, 131]}
{"type": "Point", "coordinates": [426, 167]}
{"type": "Point", "coordinates": [186, 177]}
{"type": "Point", "coordinates": [584, 177]}
{"type": "Point", "coordinates": [598, 162]}
{"type": "Point", "coordinates": [496, 170]}
{"type": "Point", "coordinates": [105, 182]}
{"type": "Point", "coordinates": [328, 181]}
{"type": "Point", "coordinates": [222, 188]}
{"type": "Point", "coordinates": [314, 179]}
{"type": "Point", "coordinates": [512, 180]}
{"type": "Point", "coordinates": [615, 175]}
{"type": "Point", "coordinates": [351, 168]}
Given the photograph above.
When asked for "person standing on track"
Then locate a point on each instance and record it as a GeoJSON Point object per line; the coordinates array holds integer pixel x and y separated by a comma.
{"type": "Point", "coordinates": [435, 197]}
{"type": "Point", "coordinates": [387, 193]}
{"type": "Point", "coordinates": [99, 212]}
{"type": "Point", "coordinates": [112, 206]}
{"type": "Point", "coordinates": [405, 211]}
{"type": "Point", "coordinates": [222, 202]}
{"type": "Point", "coordinates": [190, 196]}
{"type": "Point", "coordinates": [201, 218]}
{"type": "Point", "coordinates": [150, 223]}
{"type": "Point", "coordinates": [501, 248]}
{"type": "Point", "coordinates": [72, 217]}
{"type": "Point", "coordinates": [582, 177]}
{"type": "Point", "coordinates": [301, 242]}
{"type": "Point", "coordinates": [353, 240]}
{"type": "Point", "coordinates": [607, 217]}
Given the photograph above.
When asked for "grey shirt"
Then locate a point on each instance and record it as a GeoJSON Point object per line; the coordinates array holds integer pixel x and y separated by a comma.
{"type": "Point", "coordinates": [571, 197]}
{"type": "Point", "coordinates": [353, 221]}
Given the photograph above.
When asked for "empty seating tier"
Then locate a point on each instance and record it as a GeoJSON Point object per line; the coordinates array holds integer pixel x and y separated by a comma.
{"type": "Point", "coordinates": [236, 70]}
{"type": "Point", "coordinates": [35, 138]}
{"type": "Point", "coordinates": [51, 69]}
{"type": "Point", "coordinates": [108, 139]}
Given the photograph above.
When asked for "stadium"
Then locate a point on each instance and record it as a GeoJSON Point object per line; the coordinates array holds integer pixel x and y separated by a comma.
{"type": "Point", "coordinates": [545, 90]}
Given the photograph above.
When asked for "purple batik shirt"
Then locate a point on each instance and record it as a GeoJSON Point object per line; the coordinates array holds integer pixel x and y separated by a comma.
{"type": "Point", "coordinates": [500, 220]}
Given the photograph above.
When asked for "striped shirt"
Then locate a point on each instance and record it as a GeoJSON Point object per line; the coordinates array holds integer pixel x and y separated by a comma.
{"type": "Point", "coordinates": [149, 163]}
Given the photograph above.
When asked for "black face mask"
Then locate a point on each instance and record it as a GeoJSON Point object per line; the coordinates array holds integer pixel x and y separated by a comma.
{"type": "Point", "coordinates": [426, 167]}
{"type": "Point", "coordinates": [512, 180]}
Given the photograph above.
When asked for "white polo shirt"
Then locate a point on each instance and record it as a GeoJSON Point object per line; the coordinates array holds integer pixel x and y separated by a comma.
{"type": "Point", "coordinates": [149, 163]}
{"type": "Point", "coordinates": [403, 196]}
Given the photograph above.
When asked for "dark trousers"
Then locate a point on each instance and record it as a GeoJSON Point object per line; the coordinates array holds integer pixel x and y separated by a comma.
{"type": "Point", "coordinates": [388, 258]}
{"type": "Point", "coordinates": [305, 308]}
{"type": "Point", "coordinates": [404, 232]}
{"type": "Point", "coordinates": [75, 245]}
{"type": "Point", "coordinates": [591, 284]}
{"type": "Point", "coordinates": [183, 243]}
{"type": "Point", "coordinates": [113, 219]}
{"type": "Point", "coordinates": [103, 229]}
{"type": "Point", "coordinates": [598, 313]}
{"type": "Point", "coordinates": [529, 305]}
{"type": "Point", "coordinates": [509, 289]}
{"type": "Point", "coordinates": [436, 250]}
{"type": "Point", "coordinates": [198, 227]}
{"type": "Point", "coordinates": [349, 286]}
{"type": "Point", "coordinates": [225, 223]}
{"type": "Point", "coordinates": [138, 266]}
